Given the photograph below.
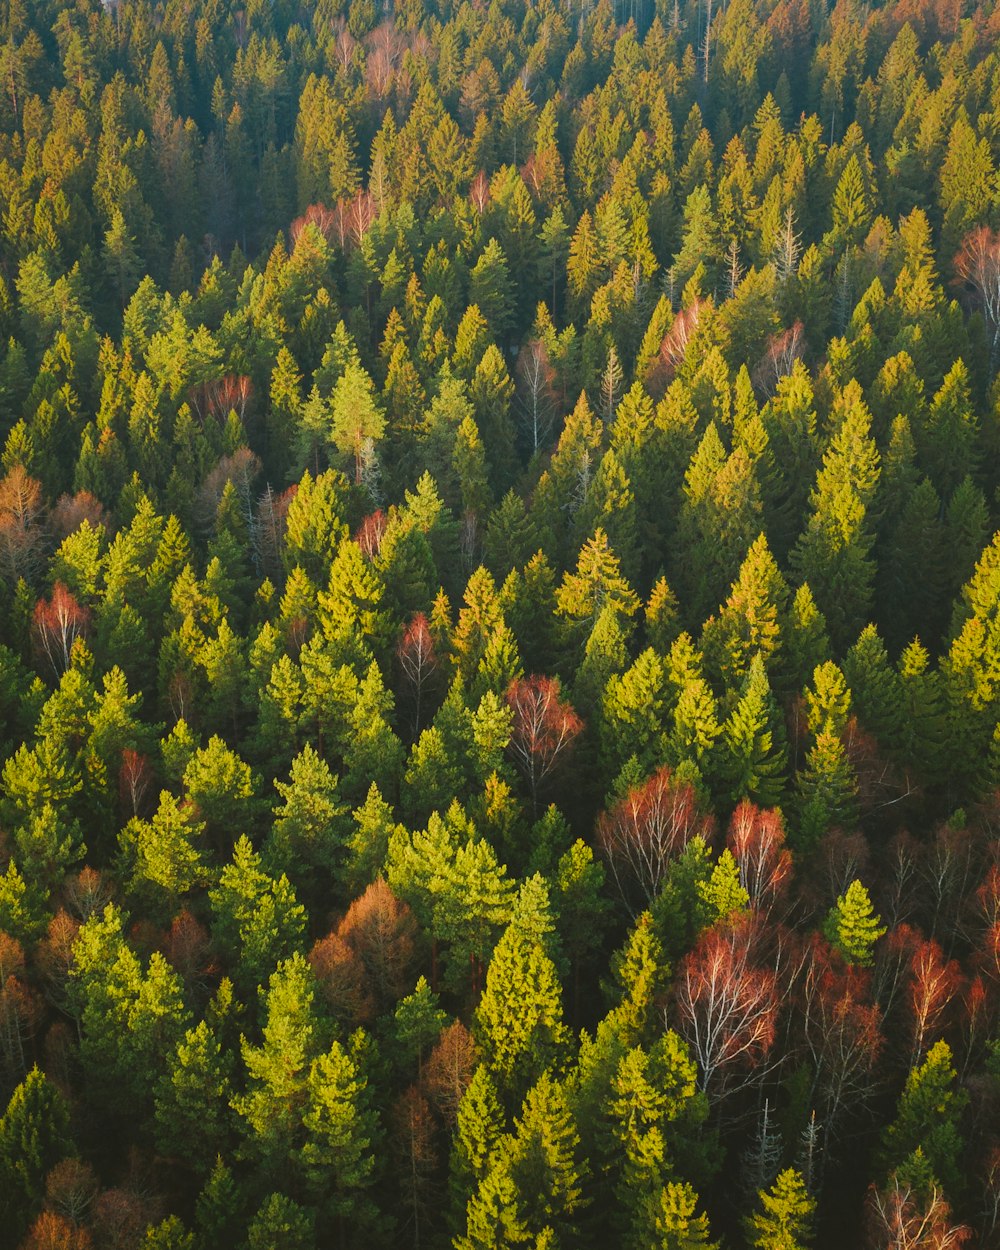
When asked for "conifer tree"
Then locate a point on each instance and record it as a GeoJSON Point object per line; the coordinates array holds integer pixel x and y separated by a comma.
{"type": "Point", "coordinates": [852, 926]}
{"type": "Point", "coordinates": [784, 1221]}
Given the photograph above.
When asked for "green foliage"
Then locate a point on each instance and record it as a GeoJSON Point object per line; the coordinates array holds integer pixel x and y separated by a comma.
{"type": "Point", "coordinates": [784, 1221]}
{"type": "Point", "coordinates": [928, 1118]}
{"type": "Point", "coordinates": [34, 1136]}
{"type": "Point", "coordinates": [852, 926]}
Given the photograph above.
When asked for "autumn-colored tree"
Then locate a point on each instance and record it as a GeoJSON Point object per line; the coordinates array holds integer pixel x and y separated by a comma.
{"type": "Point", "coordinates": [647, 829]}
{"type": "Point", "coordinates": [56, 624]}
{"type": "Point", "coordinates": [543, 729]}
{"type": "Point", "coordinates": [419, 662]}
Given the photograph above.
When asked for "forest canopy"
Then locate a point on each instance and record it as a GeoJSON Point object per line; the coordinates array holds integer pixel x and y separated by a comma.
{"type": "Point", "coordinates": [499, 625]}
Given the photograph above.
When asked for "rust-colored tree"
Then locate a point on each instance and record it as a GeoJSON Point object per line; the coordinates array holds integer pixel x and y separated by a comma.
{"type": "Point", "coordinates": [419, 663]}
{"type": "Point", "coordinates": [841, 1032]}
{"type": "Point", "coordinates": [366, 964]}
{"type": "Point", "coordinates": [70, 1189]}
{"type": "Point", "coordinates": [673, 345]}
{"type": "Point", "coordinates": [188, 947]}
{"type": "Point", "coordinates": [646, 830]}
{"type": "Point", "coordinates": [71, 511]}
{"type": "Point", "coordinates": [933, 991]}
{"type": "Point", "coordinates": [783, 350]}
{"type": "Point", "coordinates": [54, 1232]}
{"type": "Point", "coordinates": [370, 533]}
{"type": "Point", "coordinates": [726, 1006]}
{"type": "Point", "coordinates": [756, 839]}
{"type": "Point", "coordinates": [56, 624]}
{"type": "Point", "coordinates": [22, 534]}
{"type": "Point", "coordinates": [319, 216]}
{"type": "Point", "coordinates": [413, 1142]}
{"type": "Point", "coordinates": [382, 932]}
{"type": "Point", "coordinates": [905, 1215]}
{"type": "Point", "coordinates": [341, 981]}
{"type": "Point", "coordinates": [20, 1011]}
{"type": "Point", "coordinates": [543, 731]}
{"type": "Point", "coordinates": [449, 1070]}
{"type": "Point", "coordinates": [479, 192]}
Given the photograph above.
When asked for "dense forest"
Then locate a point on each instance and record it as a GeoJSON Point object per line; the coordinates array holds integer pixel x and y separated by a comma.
{"type": "Point", "coordinates": [499, 624]}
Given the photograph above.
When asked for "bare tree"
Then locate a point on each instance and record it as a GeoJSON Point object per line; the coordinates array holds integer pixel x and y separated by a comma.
{"type": "Point", "coordinates": [56, 625]}
{"type": "Point", "coordinates": [788, 248]}
{"type": "Point", "coordinates": [543, 730]}
{"type": "Point", "coordinates": [902, 1216]}
{"type": "Point", "coordinates": [727, 1006]}
{"type": "Point", "coordinates": [977, 268]}
{"type": "Point", "coordinates": [534, 391]}
{"type": "Point", "coordinates": [646, 830]}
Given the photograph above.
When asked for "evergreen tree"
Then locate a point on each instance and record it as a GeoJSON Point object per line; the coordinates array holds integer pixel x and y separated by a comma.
{"type": "Point", "coordinates": [784, 1221]}
{"type": "Point", "coordinates": [851, 925]}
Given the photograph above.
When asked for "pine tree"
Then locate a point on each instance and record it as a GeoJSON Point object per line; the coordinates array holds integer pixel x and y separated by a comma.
{"type": "Point", "coordinates": [785, 1219]}
{"type": "Point", "coordinates": [851, 925]}
{"type": "Point", "coordinates": [518, 1045]}
{"type": "Point", "coordinates": [754, 738]}
{"type": "Point", "coordinates": [928, 1118]}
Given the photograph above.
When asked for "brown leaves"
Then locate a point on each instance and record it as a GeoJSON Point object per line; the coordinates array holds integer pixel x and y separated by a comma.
{"type": "Point", "coordinates": [366, 963]}
{"type": "Point", "coordinates": [904, 1217]}
{"type": "Point", "coordinates": [756, 839]}
{"type": "Point", "coordinates": [22, 534]}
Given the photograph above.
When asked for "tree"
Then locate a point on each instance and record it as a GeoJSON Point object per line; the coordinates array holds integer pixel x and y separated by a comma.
{"type": "Point", "coordinates": [310, 826]}
{"type": "Point", "coordinates": [754, 742]}
{"type": "Point", "coordinates": [546, 1163]}
{"type": "Point", "coordinates": [357, 419]}
{"type": "Point", "coordinates": [34, 1136]}
{"type": "Point", "coordinates": [518, 1046]}
{"type": "Point", "coordinates": [928, 1117]}
{"type": "Point", "coordinates": [674, 1224]}
{"type": "Point", "coordinates": [281, 1222]}
{"type": "Point", "coordinates": [911, 1211]}
{"type": "Point", "coordinates": [833, 553]}
{"type": "Point", "coordinates": [535, 377]}
{"type": "Point", "coordinates": [785, 1219]}
{"type": "Point", "coordinates": [271, 1108]}
{"type": "Point", "coordinates": [192, 1100]}
{"type": "Point", "coordinates": [933, 993]}
{"type": "Point", "coordinates": [57, 624]}
{"type": "Point", "coordinates": [419, 661]}
{"type": "Point", "coordinates": [337, 1156]}
{"type": "Point", "coordinates": [726, 1005]}
{"type": "Point", "coordinates": [756, 840]}
{"type": "Point", "coordinates": [543, 730]}
{"type": "Point", "coordinates": [851, 925]}
{"type": "Point", "coordinates": [647, 829]}
{"type": "Point", "coordinates": [257, 919]}
{"type": "Point", "coordinates": [977, 267]}
{"type": "Point", "coordinates": [479, 1127]}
